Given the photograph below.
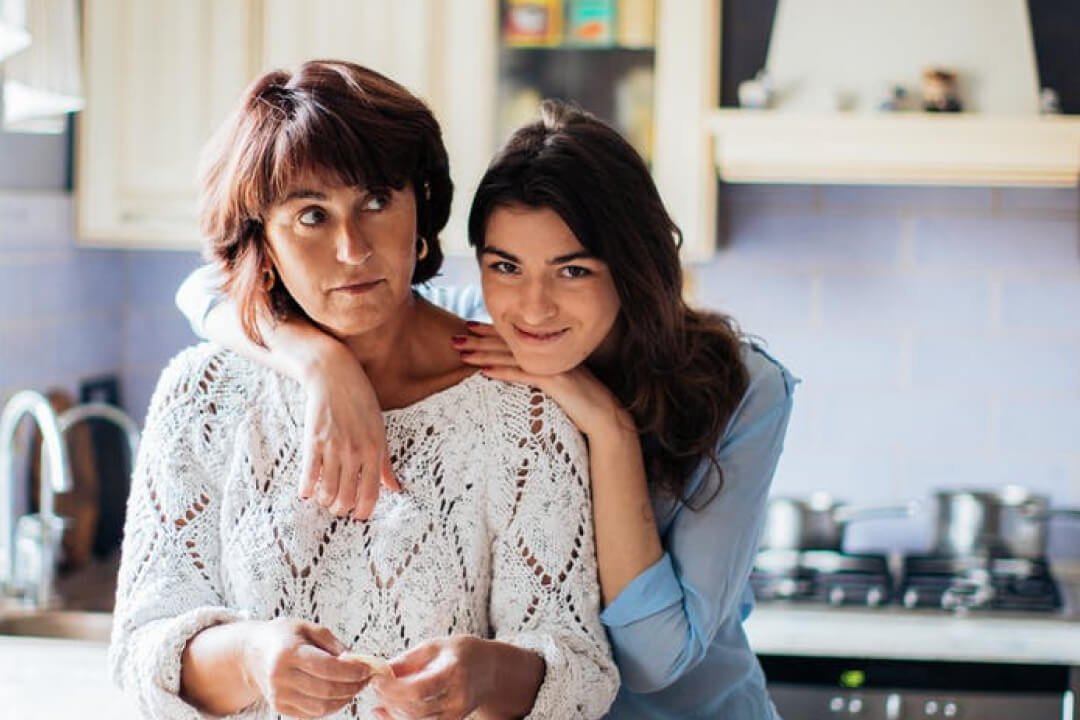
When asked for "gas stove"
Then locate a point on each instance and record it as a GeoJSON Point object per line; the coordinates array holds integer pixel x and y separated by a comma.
{"type": "Point", "coordinates": [822, 576]}
{"type": "Point", "coordinates": [958, 584]}
{"type": "Point", "coordinates": [993, 583]}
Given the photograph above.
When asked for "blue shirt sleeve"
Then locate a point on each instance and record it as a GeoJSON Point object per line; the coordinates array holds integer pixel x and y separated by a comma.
{"type": "Point", "coordinates": [662, 624]}
{"type": "Point", "coordinates": [466, 301]}
{"type": "Point", "coordinates": [198, 294]}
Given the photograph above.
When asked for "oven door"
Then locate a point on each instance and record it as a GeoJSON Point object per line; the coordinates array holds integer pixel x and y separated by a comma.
{"type": "Point", "coordinates": [809, 688]}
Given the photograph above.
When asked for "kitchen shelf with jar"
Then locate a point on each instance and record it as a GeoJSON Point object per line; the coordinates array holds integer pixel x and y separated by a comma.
{"type": "Point", "coordinates": [771, 146]}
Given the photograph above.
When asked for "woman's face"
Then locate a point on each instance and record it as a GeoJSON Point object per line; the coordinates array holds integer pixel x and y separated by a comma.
{"type": "Point", "coordinates": [345, 254]}
{"type": "Point", "coordinates": [553, 302]}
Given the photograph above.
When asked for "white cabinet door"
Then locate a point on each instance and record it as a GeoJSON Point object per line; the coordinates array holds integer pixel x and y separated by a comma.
{"type": "Point", "coordinates": [161, 75]}
{"type": "Point", "coordinates": [390, 37]}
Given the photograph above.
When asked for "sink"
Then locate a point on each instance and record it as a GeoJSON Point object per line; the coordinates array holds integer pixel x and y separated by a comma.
{"type": "Point", "coordinates": [68, 624]}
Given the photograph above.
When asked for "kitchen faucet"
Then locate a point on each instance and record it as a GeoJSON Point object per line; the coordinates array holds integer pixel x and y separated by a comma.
{"type": "Point", "coordinates": [56, 478]}
{"type": "Point", "coordinates": [102, 411]}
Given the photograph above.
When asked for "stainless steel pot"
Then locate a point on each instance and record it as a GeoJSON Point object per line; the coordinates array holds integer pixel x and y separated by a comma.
{"type": "Point", "coordinates": [1011, 522]}
{"type": "Point", "coordinates": [816, 523]}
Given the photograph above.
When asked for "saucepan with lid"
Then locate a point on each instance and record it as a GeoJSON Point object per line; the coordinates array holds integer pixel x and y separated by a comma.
{"type": "Point", "coordinates": [818, 523]}
{"type": "Point", "coordinates": [1010, 522]}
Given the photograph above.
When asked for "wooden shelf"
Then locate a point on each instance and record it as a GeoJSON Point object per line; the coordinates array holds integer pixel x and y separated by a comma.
{"type": "Point", "coordinates": [755, 146]}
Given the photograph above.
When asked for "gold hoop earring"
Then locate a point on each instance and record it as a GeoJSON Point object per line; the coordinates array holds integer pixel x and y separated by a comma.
{"type": "Point", "coordinates": [421, 248]}
{"type": "Point", "coordinates": [269, 279]}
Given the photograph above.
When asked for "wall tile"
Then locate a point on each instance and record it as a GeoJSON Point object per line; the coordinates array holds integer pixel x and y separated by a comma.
{"type": "Point", "coordinates": [812, 240]}
{"type": "Point", "coordinates": [875, 198]}
{"type": "Point", "coordinates": [1000, 366]}
{"type": "Point", "coordinates": [895, 423]}
{"type": "Point", "coordinates": [1050, 425]}
{"type": "Point", "coordinates": [762, 299]}
{"type": "Point", "coordinates": [35, 222]}
{"type": "Point", "coordinates": [1042, 304]}
{"type": "Point", "coordinates": [154, 275]}
{"type": "Point", "coordinates": [1001, 243]}
{"type": "Point", "coordinates": [902, 300]}
{"type": "Point", "coordinates": [843, 360]}
{"type": "Point", "coordinates": [1039, 199]}
{"type": "Point", "coordinates": [775, 196]}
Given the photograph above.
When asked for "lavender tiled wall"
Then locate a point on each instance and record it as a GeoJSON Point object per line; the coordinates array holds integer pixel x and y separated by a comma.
{"type": "Point", "coordinates": [59, 305]}
{"type": "Point", "coordinates": [937, 331]}
{"type": "Point", "coordinates": [68, 314]}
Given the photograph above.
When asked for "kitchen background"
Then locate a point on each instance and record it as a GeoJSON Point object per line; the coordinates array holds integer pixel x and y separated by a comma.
{"type": "Point", "coordinates": [936, 329]}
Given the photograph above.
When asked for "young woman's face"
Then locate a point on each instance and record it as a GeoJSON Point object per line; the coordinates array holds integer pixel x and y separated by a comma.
{"type": "Point", "coordinates": [553, 302]}
{"type": "Point", "coordinates": [345, 254]}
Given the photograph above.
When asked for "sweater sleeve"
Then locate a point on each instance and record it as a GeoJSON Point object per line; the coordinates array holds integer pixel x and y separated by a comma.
{"type": "Point", "coordinates": [198, 294]}
{"type": "Point", "coordinates": [662, 624]}
{"type": "Point", "coordinates": [169, 585]}
{"type": "Point", "coordinates": [545, 594]}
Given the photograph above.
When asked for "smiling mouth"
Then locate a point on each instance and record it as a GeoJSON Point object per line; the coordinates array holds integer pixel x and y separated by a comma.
{"type": "Point", "coordinates": [539, 337]}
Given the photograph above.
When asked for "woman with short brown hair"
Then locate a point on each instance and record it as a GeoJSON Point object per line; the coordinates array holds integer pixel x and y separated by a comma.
{"type": "Point", "coordinates": [323, 199]}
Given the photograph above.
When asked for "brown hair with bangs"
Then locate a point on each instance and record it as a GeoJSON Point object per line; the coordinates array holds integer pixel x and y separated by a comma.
{"type": "Point", "coordinates": [328, 117]}
{"type": "Point", "coordinates": [677, 370]}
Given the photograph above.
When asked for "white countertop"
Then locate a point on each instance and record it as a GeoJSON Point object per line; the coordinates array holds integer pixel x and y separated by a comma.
{"type": "Point", "coordinates": [787, 629]}
{"type": "Point", "coordinates": [43, 679]}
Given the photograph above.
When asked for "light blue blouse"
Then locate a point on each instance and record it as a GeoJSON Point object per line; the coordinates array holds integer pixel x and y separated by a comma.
{"type": "Point", "coordinates": [676, 629]}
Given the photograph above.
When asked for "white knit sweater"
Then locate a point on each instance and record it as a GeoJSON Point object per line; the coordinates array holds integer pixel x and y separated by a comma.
{"type": "Point", "coordinates": [493, 535]}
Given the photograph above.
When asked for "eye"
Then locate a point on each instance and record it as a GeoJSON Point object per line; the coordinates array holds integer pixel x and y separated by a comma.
{"type": "Point", "coordinates": [503, 267]}
{"type": "Point", "coordinates": [575, 271]}
{"type": "Point", "coordinates": [312, 216]}
{"type": "Point", "coordinates": [377, 201]}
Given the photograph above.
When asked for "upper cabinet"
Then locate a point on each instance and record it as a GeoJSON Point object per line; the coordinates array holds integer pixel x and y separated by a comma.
{"type": "Point", "coordinates": [160, 76]}
{"type": "Point", "coordinates": [163, 74]}
{"type": "Point", "coordinates": [829, 78]}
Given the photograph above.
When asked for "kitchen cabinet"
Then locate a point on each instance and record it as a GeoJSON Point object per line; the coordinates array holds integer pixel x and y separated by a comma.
{"type": "Point", "coordinates": [763, 146]}
{"type": "Point", "coordinates": [162, 74]}
{"type": "Point", "coordinates": [978, 149]}
{"type": "Point", "coordinates": [685, 80]}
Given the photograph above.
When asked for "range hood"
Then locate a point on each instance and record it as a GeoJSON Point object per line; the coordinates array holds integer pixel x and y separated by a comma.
{"type": "Point", "coordinates": [823, 50]}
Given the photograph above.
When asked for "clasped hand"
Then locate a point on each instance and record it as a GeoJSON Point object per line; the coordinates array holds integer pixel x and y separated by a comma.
{"type": "Point", "coordinates": [297, 667]}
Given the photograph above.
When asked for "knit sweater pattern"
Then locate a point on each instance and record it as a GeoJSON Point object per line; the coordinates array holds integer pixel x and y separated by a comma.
{"type": "Point", "coordinates": [491, 537]}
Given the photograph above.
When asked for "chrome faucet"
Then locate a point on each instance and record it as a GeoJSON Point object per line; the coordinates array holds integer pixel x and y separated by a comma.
{"type": "Point", "coordinates": [103, 411]}
{"type": "Point", "coordinates": [55, 478]}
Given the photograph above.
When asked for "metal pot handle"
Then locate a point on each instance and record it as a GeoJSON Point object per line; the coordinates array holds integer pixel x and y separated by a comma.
{"type": "Point", "coordinates": [1071, 513]}
{"type": "Point", "coordinates": [846, 514]}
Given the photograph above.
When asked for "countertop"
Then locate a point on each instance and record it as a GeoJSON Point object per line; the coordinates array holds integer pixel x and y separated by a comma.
{"type": "Point", "coordinates": [43, 679]}
{"type": "Point", "coordinates": [788, 629]}
{"type": "Point", "coordinates": [785, 628]}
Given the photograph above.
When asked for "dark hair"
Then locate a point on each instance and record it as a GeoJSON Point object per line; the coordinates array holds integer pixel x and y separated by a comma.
{"type": "Point", "coordinates": [329, 117]}
{"type": "Point", "coordinates": [677, 370]}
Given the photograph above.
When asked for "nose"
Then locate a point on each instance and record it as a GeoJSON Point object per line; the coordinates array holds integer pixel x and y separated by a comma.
{"type": "Point", "coordinates": [537, 302]}
{"type": "Point", "coordinates": [353, 246]}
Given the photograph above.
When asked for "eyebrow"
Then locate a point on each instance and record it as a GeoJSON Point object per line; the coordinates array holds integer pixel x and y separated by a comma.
{"type": "Point", "coordinates": [582, 255]}
{"type": "Point", "coordinates": [303, 194]}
